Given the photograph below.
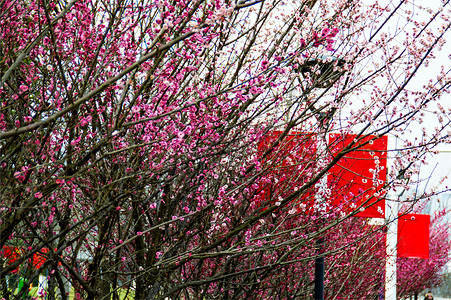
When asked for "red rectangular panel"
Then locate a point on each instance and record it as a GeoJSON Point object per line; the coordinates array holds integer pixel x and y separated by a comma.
{"type": "Point", "coordinates": [288, 166]}
{"type": "Point", "coordinates": [39, 259]}
{"type": "Point", "coordinates": [356, 180]}
{"type": "Point", "coordinates": [11, 253]}
{"type": "Point", "coordinates": [413, 236]}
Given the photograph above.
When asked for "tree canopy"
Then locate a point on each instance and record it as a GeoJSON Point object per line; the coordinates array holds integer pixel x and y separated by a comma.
{"type": "Point", "coordinates": [134, 145]}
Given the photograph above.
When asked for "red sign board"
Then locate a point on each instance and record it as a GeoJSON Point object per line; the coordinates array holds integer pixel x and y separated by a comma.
{"type": "Point", "coordinates": [39, 259]}
{"type": "Point", "coordinates": [357, 179]}
{"type": "Point", "coordinates": [413, 236]}
{"type": "Point", "coordinates": [289, 166]}
{"type": "Point", "coordinates": [11, 254]}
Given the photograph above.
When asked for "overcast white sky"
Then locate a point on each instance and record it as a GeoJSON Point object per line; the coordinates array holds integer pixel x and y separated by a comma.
{"type": "Point", "coordinates": [439, 165]}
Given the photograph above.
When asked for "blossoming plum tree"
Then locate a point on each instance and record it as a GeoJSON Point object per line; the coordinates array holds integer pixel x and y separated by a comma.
{"type": "Point", "coordinates": [130, 129]}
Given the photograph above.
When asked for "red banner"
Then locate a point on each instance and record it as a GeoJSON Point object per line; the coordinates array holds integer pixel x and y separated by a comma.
{"type": "Point", "coordinates": [413, 236]}
{"type": "Point", "coordinates": [39, 259]}
{"type": "Point", "coordinates": [289, 165]}
{"type": "Point", "coordinates": [356, 180]}
{"type": "Point", "coordinates": [11, 254]}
